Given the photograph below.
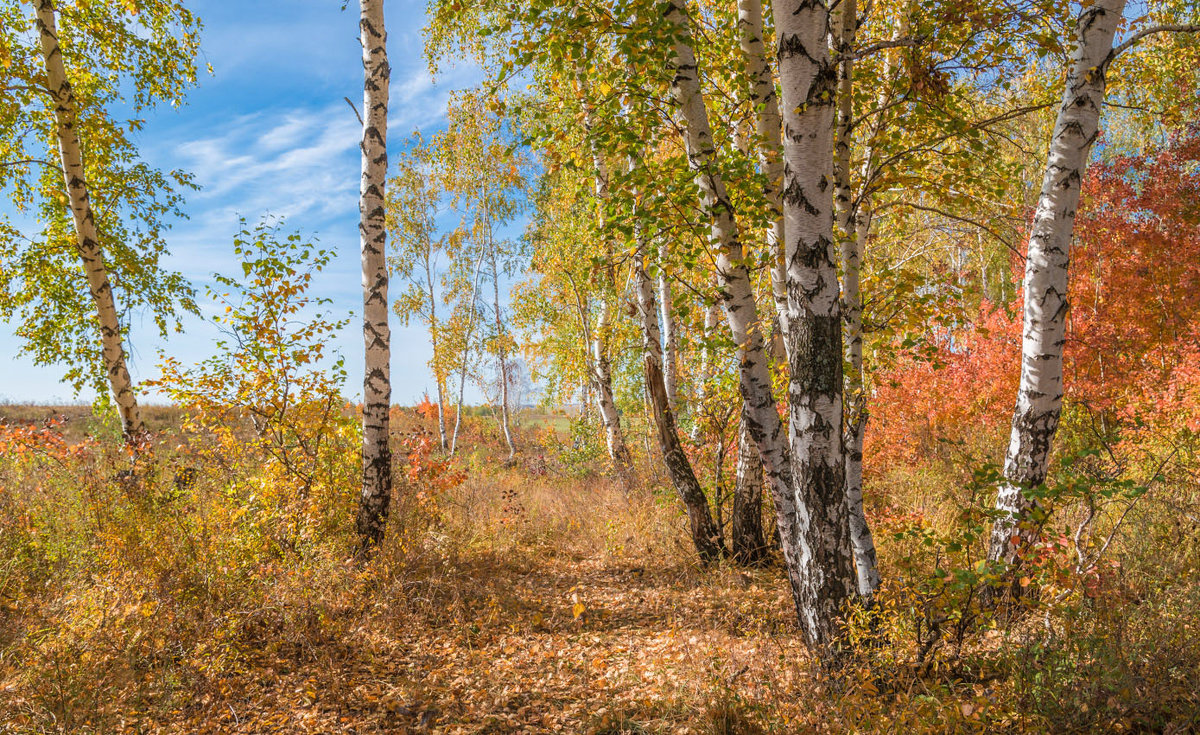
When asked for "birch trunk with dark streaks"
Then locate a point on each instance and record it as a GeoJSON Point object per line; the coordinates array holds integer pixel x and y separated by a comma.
{"type": "Point", "coordinates": [377, 387]}
{"type": "Point", "coordinates": [768, 127]}
{"type": "Point", "coordinates": [847, 232]}
{"type": "Point", "coordinates": [1039, 396]}
{"type": "Point", "coordinates": [809, 88]}
{"type": "Point", "coordinates": [809, 548]}
{"type": "Point", "coordinates": [87, 238]}
{"type": "Point", "coordinates": [747, 543]}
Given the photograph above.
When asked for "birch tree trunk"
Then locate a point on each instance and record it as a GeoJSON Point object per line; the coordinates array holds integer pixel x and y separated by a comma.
{"type": "Point", "coordinates": [501, 355]}
{"type": "Point", "coordinates": [87, 239]}
{"type": "Point", "coordinates": [1039, 397]}
{"type": "Point", "coordinates": [847, 233]}
{"type": "Point", "coordinates": [706, 535]}
{"type": "Point", "coordinates": [469, 333]}
{"type": "Point", "coordinates": [372, 229]}
{"type": "Point", "coordinates": [434, 328]}
{"type": "Point", "coordinates": [809, 87]}
{"type": "Point", "coordinates": [712, 318]}
{"type": "Point", "coordinates": [606, 403]}
{"type": "Point", "coordinates": [768, 127]}
{"type": "Point", "coordinates": [748, 545]}
{"type": "Point", "coordinates": [601, 370]}
{"type": "Point", "coordinates": [670, 339]}
{"type": "Point", "coordinates": [813, 537]}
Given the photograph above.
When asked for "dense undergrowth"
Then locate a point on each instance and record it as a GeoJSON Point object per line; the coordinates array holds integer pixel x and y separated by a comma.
{"type": "Point", "coordinates": [190, 588]}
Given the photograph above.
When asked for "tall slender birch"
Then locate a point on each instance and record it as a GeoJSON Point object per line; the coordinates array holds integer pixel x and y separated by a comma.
{"type": "Point", "coordinates": [372, 228]}
{"type": "Point", "coordinates": [808, 90]}
{"type": "Point", "coordinates": [414, 203]}
{"type": "Point", "coordinates": [1039, 396]}
{"type": "Point", "coordinates": [847, 232]}
{"type": "Point", "coordinates": [87, 239]}
{"type": "Point", "coordinates": [708, 359]}
{"type": "Point", "coordinates": [812, 523]}
{"type": "Point", "coordinates": [670, 332]}
{"type": "Point", "coordinates": [768, 127]}
{"type": "Point", "coordinates": [601, 365]}
{"type": "Point", "coordinates": [501, 346]}
{"type": "Point", "coordinates": [471, 306]}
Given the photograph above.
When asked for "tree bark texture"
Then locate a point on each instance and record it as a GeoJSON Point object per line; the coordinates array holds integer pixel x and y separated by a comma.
{"type": "Point", "coordinates": [706, 535]}
{"type": "Point", "coordinates": [670, 338]}
{"type": "Point", "coordinates": [87, 238]}
{"type": "Point", "coordinates": [372, 229]}
{"type": "Point", "coordinates": [1039, 396]}
{"type": "Point", "coordinates": [847, 232]}
{"type": "Point", "coordinates": [748, 545]}
{"type": "Point", "coordinates": [768, 127]}
{"type": "Point", "coordinates": [814, 537]}
{"type": "Point", "coordinates": [809, 87]}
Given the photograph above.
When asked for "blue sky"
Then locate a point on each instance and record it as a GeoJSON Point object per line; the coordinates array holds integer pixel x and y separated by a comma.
{"type": "Point", "coordinates": [270, 133]}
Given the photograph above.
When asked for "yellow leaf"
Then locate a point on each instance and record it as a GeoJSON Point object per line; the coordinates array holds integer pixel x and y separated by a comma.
{"type": "Point", "coordinates": [578, 609]}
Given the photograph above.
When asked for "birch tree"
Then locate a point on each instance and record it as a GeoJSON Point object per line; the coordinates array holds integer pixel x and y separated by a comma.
{"type": "Point", "coordinates": [808, 82]}
{"type": "Point", "coordinates": [483, 174]}
{"type": "Point", "coordinates": [67, 160]}
{"type": "Point", "coordinates": [372, 227]}
{"type": "Point", "coordinates": [414, 206]}
{"type": "Point", "coordinates": [1039, 396]}
{"type": "Point", "coordinates": [812, 516]}
{"type": "Point", "coordinates": [706, 535]}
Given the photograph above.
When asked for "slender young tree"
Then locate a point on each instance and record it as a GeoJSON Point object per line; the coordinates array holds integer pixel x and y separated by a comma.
{"type": "Point", "coordinates": [372, 227]}
{"type": "Point", "coordinates": [414, 204]}
{"type": "Point", "coordinates": [847, 232]}
{"type": "Point", "coordinates": [706, 535]}
{"type": "Point", "coordinates": [1040, 394]}
{"type": "Point", "coordinates": [87, 239]}
{"type": "Point", "coordinates": [601, 365]}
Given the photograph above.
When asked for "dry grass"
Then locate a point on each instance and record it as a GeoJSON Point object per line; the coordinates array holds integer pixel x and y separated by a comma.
{"type": "Point", "coordinates": [533, 599]}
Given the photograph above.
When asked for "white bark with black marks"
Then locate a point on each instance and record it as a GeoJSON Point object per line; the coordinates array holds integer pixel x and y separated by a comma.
{"type": "Point", "coordinates": [809, 87]}
{"type": "Point", "coordinates": [807, 546]}
{"type": "Point", "coordinates": [372, 228]}
{"type": "Point", "coordinates": [768, 128]}
{"type": "Point", "coordinates": [747, 543]}
{"type": "Point", "coordinates": [848, 231]}
{"type": "Point", "coordinates": [87, 238]}
{"type": "Point", "coordinates": [1039, 397]}
{"type": "Point", "coordinates": [670, 339]}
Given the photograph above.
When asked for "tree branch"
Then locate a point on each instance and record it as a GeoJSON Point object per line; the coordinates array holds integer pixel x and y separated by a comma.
{"type": "Point", "coordinates": [907, 41]}
{"type": "Point", "coordinates": [1135, 38]}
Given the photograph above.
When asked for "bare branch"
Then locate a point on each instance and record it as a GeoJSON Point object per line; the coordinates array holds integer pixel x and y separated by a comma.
{"type": "Point", "coordinates": [1135, 38]}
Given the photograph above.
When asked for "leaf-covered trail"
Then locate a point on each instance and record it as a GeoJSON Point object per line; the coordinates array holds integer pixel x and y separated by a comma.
{"type": "Point", "coordinates": [491, 646]}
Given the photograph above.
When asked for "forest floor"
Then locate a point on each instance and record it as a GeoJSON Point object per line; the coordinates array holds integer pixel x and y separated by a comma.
{"type": "Point", "coordinates": [650, 651]}
{"type": "Point", "coordinates": [540, 598]}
